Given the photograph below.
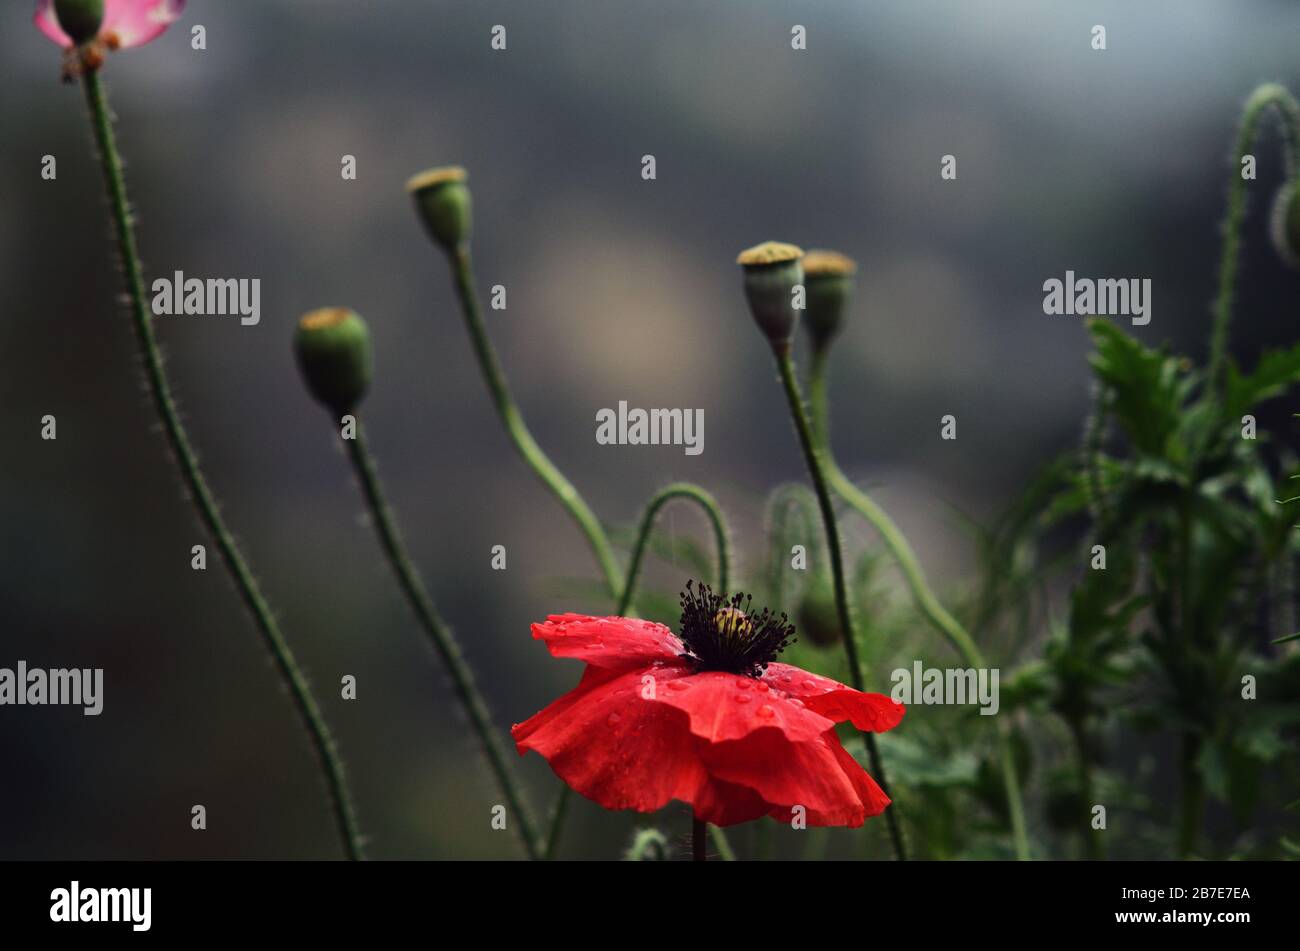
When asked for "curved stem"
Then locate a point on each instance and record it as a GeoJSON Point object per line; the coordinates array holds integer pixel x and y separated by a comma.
{"type": "Point", "coordinates": [463, 273]}
{"type": "Point", "coordinates": [934, 611]}
{"type": "Point", "coordinates": [1265, 97]}
{"type": "Point", "coordinates": [678, 490]}
{"type": "Point", "coordinates": [817, 471]}
{"type": "Point", "coordinates": [894, 539]}
{"type": "Point", "coordinates": [648, 844]}
{"type": "Point", "coordinates": [721, 844]}
{"type": "Point", "coordinates": [186, 460]}
{"type": "Point", "coordinates": [462, 270]}
{"type": "Point", "coordinates": [440, 635]}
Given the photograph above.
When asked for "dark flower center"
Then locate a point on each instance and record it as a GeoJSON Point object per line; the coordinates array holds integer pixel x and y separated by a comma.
{"type": "Point", "coordinates": [722, 633]}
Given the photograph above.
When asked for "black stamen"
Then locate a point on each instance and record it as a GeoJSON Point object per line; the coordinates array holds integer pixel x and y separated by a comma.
{"type": "Point", "coordinates": [721, 633]}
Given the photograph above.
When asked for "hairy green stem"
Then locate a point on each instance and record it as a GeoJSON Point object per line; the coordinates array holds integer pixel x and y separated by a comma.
{"type": "Point", "coordinates": [440, 635]}
{"type": "Point", "coordinates": [556, 826]}
{"type": "Point", "coordinates": [901, 550]}
{"type": "Point", "coordinates": [677, 490]}
{"type": "Point", "coordinates": [721, 844]}
{"type": "Point", "coordinates": [204, 502]}
{"type": "Point", "coordinates": [463, 275]}
{"type": "Point", "coordinates": [813, 456]}
{"type": "Point", "coordinates": [1265, 97]}
{"type": "Point", "coordinates": [647, 844]}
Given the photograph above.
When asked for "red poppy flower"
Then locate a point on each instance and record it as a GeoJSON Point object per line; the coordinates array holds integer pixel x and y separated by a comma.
{"type": "Point", "coordinates": [707, 718]}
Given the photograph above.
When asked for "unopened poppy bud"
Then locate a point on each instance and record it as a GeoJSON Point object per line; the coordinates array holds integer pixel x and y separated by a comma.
{"type": "Point", "coordinates": [1286, 224]}
{"type": "Point", "coordinates": [442, 198]}
{"type": "Point", "coordinates": [828, 278]}
{"type": "Point", "coordinates": [80, 19]}
{"type": "Point", "coordinates": [733, 623]}
{"type": "Point", "coordinates": [818, 616]}
{"type": "Point", "coordinates": [772, 271]}
{"type": "Point", "coordinates": [334, 354]}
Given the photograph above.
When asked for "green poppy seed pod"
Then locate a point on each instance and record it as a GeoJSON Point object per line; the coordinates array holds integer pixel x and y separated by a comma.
{"type": "Point", "coordinates": [1286, 224]}
{"type": "Point", "coordinates": [80, 19]}
{"type": "Point", "coordinates": [818, 616]}
{"type": "Point", "coordinates": [334, 355]}
{"type": "Point", "coordinates": [772, 271]}
{"type": "Point", "coordinates": [828, 278]}
{"type": "Point", "coordinates": [442, 199]}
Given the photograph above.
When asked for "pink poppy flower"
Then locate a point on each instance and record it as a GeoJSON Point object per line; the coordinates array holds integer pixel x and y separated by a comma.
{"type": "Point", "coordinates": [126, 22]}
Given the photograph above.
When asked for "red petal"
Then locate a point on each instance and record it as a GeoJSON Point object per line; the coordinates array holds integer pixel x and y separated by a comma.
{"type": "Point", "coordinates": [869, 712]}
{"type": "Point", "coordinates": [732, 747]}
{"type": "Point", "coordinates": [616, 748]}
{"type": "Point", "coordinates": [818, 775]}
{"type": "Point", "coordinates": [614, 642]}
{"type": "Point", "coordinates": [724, 707]}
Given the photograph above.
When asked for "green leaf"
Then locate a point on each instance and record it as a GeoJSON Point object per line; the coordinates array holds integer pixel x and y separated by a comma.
{"type": "Point", "coordinates": [1148, 390]}
{"type": "Point", "coordinates": [1276, 371]}
{"type": "Point", "coordinates": [912, 764]}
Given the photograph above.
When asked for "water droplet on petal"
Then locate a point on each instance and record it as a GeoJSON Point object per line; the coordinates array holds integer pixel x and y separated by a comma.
{"type": "Point", "coordinates": [744, 685]}
{"type": "Point", "coordinates": [613, 719]}
{"type": "Point", "coordinates": [766, 712]}
{"type": "Point", "coordinates": [743, 698]}
{"type": "Point", "coordinates": [677, 685]}
{"type": "Point", "coordinates": [796, 701]}
{"type": "Point", "coordinates": [810, 685]}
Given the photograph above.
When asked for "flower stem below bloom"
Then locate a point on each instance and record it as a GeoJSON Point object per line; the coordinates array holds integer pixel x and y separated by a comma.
{"type": "Point", "coordinates": [440, 635]}
{"type": "Point", "coordinates": [699, 839]}
{"type": "Point", "coordinates": [817, 472]}
{"type": "Point", "coordinates": [197, 486]}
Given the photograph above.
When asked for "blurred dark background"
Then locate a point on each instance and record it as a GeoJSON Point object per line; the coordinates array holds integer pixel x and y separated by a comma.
{"type": "Point", "coordinates": [1113, 164]}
